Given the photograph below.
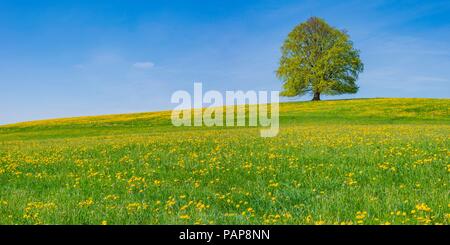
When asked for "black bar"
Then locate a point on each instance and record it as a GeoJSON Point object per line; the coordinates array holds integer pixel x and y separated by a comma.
{"type": "Point", "coordinates": [223, 234]}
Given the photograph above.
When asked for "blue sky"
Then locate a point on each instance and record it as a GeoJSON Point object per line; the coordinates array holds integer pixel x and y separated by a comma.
{"type": "Point", "coordinates": [72, 58]}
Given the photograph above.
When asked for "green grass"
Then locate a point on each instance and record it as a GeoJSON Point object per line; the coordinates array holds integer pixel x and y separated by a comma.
{"type": "Point", "coordinates": [366, 161]}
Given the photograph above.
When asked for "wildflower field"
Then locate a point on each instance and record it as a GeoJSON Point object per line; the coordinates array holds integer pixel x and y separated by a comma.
{"type": "Point", "coordinates": [365, 161]}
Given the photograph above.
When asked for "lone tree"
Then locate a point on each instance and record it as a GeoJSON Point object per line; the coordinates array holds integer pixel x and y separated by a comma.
{"type": "Point", "coordinates": [318, 59]}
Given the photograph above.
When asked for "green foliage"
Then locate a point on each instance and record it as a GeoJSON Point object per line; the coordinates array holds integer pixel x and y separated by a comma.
{"type": "Point", "coordinates": [318, 59]}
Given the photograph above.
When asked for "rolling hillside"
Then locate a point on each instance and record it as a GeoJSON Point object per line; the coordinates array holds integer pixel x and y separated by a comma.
{"type": "Point", "coordinates": [364, 161]}
{"type": "Point", "coordinates": [358, 111]}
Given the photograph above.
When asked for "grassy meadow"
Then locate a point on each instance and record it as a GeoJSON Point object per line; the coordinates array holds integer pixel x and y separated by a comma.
{"type": "Point", "coordinates": [364, 161]}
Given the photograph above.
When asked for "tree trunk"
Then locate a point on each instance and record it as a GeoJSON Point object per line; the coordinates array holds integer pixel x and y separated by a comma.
{"type": "Point", "coordinates": [316, 96]}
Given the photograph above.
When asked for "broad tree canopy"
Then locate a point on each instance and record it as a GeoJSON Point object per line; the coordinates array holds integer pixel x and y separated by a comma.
{"type": "Point", "coordinates": [318, 59]}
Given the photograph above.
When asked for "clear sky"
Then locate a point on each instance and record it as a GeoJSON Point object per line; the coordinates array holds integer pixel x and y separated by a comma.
{"type": "Point", "coordinates": [72, 58]}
